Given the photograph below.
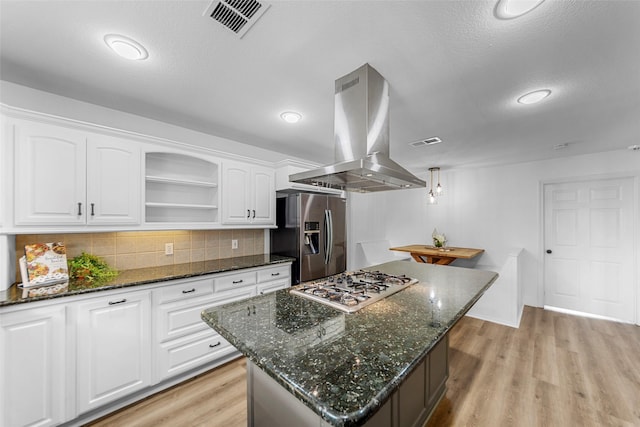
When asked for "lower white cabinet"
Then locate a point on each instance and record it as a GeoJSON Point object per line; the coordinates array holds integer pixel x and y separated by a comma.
{"type": "Point", "coordinates": [33, 372]}
{"type": "Point", "coordinates": [184, 341]}
{"type": "Point", "coordinates": [125, 344]}
{"type": "Point", "coordinates": [113, 348]}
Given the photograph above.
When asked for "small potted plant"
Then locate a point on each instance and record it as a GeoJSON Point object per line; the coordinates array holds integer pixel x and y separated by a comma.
{"type": "Point", "coordinates": [439, 240]}
{"type": "Point", "coordinates": [88, 270]}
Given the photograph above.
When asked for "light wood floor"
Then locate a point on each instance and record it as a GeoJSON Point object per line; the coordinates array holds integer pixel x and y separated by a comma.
{"type": "Point", "coordinates": [555, 370]}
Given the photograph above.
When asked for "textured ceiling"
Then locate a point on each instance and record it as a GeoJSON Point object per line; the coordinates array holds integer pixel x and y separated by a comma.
{"type": "Point", "coordinates": [455, 71]}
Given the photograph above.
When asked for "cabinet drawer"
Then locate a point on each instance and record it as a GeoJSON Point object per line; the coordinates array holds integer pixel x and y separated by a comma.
{"type": "Point", "coordinates": [265, 288]}
{"type": "Point", "coordinates": [178, 319]}
{"type": "Point", "coordinates": [234, 281]}
{"type": "Point", "coordinates": [273, 273]}
{"type": "Point", "coordinates": [181, 355]}
{"type": "Point", "coordinates": [184, 290]}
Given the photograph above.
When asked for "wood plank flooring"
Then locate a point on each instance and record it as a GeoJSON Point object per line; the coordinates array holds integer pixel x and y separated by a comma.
{"type": "Point", "coordinates": [555, 370]}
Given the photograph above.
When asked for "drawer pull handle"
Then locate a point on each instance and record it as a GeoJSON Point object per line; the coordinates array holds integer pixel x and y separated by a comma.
{"type": "Point", "coordinates": [79, 208]}
{"type": "Point", "coordinates": [118, 302]}
{"type": "Point", "coordinates": [189, 291]}
{"type": "Point", "coordinates": [254, 213]}
{"type": "Point", "coordinates": [92, 209]}
{"type": "Point", "coordinates": [254, 309]}
{"type": "Point", "coordinates": [235, 282]}
{"type": "Point", "coordinates": [248, 311]}
{"type": "Point", "coordinates": [248, 213]}
{"type": "Point", "coordinates": [275, 274]}
{"type": "Point", "coordinates": [261, 292]}
{"type": "Point", "coordinates": [215, 345]}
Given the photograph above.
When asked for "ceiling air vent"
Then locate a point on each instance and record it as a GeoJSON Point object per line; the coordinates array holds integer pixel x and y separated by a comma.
{"type": "Point", "coordinates": [428, 141]}
{"type": "Point", "coordinates": [237, 15]}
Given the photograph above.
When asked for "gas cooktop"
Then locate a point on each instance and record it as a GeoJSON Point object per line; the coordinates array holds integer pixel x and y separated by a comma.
{"type": "Point", "coordinates": [352, 291]}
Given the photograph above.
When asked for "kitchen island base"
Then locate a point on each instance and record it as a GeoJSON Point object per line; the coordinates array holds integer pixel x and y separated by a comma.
{"type": "Point", "coordinates": [410, 405]}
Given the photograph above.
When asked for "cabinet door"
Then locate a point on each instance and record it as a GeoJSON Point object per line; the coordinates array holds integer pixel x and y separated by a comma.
{"type": "Point", "coordinates": [236, 184]}
{"type": "Point", "coordinates": [113, 348]}
{"type": "Point", "coordinates": [32, 367]}
{"type": "Point", "coordinates": [113, 181]}
{"type": "Point", "coordinates": [50, 174]}
{"type": "Point", "coordinates": [263, 196]}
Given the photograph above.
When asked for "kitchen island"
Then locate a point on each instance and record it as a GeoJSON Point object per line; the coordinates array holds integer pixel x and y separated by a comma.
{"type": "Point", "coordinates": [310, 364]}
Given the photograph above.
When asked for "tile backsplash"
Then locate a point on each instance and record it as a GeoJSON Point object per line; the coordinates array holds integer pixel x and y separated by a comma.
{"type": "Point", "coordinates": [139, 249]}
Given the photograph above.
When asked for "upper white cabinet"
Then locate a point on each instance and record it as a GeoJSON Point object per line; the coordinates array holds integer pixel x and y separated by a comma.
{"type": "Point", "coordinates": [180, 188]}
{"type": "Point", "coordinates": [248, 194]}
{"type": "Point", "coordinates": [65, 176]}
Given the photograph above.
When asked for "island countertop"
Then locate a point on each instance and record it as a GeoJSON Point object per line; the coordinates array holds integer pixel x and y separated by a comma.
{"type": "Point", "coordinates": [345, 366]}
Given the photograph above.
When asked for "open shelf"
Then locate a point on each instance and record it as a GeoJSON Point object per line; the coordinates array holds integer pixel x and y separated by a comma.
{"type": "Point", "coordinates": [180, 188]}
{"type": "Point", "coordinates": [187, 182]}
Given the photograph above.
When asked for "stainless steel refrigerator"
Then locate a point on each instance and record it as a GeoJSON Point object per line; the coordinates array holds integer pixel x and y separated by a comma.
{"type": "Point", "coordinates": [311, 229]}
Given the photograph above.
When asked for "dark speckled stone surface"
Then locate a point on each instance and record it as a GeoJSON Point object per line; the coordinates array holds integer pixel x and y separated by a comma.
{"type": "Point", "coordinates": [345, 366]}
{"type": "Point", "coordinates": [145, 276]}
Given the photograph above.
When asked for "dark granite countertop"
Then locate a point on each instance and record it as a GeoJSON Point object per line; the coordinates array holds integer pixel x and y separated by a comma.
{"type": "Point", "coordinates": [145, 276]}
{"type": "Point", "coordinates": [345, 366]}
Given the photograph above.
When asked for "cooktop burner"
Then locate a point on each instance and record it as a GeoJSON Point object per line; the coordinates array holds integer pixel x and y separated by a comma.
{"type": "Point", "coordinates": [352, 291]}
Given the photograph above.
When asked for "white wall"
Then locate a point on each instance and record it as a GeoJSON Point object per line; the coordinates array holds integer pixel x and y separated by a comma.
{"type": "Point", "coordinates": [494, 208]}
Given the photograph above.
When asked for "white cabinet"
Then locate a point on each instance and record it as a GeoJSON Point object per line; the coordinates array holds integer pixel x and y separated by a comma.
{"type": "Point", "coordinates": [113, 348]}
{"type": "Point", "coordinates": [65, 176]}
{"type": "Point", "coordinates": [184, 341]}
{"type": "Point", "coordinates": [180, 188]}
{"type": "Point", "coordinates": [272, 279]}
{"type": "Point", "coordinates": [248, 194]}
{"type": "Point", "coordinates": [33, 366]}
{"type": "Point", "coordinates": [62, 359]}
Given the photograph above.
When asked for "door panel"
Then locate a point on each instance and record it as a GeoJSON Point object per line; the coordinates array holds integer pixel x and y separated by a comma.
{"type": "Point", "coordinates": [312, 265]}
{"type": "Point", "coordinates": [588, 229]}
{"type": "Point", "coordinates": [338, 261]}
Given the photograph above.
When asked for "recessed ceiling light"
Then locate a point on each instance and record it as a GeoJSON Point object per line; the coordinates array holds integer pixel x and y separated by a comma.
{"type": "Point", "coordinates": [126, 47]}
{"type": "Point", "coordinates": [534, 97]}
{"type": "Point", "coordinates": [291, 117]}
{"type": "Point", "coordinates": [509, 9]}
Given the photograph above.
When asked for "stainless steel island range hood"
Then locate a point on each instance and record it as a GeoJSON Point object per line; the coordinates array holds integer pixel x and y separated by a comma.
{"type": "Point", "coordinates": [361, 139]}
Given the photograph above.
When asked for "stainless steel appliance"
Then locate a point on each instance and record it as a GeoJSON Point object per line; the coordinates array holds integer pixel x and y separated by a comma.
{"type": "Point", "coordinates": [352, 291]}
{"type": "Point", "coordinates": [361, 129]}
{"type": "Point", "coordinates": [311, 229]}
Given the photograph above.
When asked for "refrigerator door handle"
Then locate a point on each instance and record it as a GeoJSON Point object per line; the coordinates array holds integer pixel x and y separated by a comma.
{"type": "Point", "coordinates": [326, 236]}
{"type": "Point", "coordinates": [329, 240]}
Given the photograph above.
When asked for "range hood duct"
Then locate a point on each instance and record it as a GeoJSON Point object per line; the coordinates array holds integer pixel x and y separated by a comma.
{"type": "Point", "coordinates": [361, 130]}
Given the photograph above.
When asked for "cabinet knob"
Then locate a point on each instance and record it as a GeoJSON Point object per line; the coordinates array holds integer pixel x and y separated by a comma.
{"type": "Point", "coordinates": [549, 251]}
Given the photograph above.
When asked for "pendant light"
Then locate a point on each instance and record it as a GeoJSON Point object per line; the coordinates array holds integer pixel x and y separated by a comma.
{"type": "Point", "coordinates": [434, 194]}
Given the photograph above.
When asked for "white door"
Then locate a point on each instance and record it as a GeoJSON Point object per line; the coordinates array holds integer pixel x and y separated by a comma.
{"type": "Point", "coordinates": [113, 348]}
{"type": "Point", "coordinates": [236, 188]}
{"type": "Point", "coordinates": [113, 181]}
{"type": "Point", "coordinates": [589, 262]}
{"type": "Point", "coordinates": [264, 196]}
{"type": "Point", "coordinates": [50, 174]}
{"type": "Point", "coordinates": [33, 367]}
